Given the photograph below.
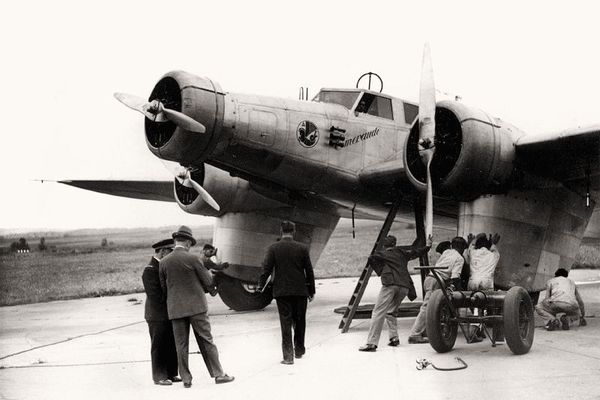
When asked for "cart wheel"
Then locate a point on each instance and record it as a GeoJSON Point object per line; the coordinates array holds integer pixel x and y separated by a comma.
{"type": "Point", "coordinates": [518, 320]}
{"type": "Point", "coordinates": [440, 330]}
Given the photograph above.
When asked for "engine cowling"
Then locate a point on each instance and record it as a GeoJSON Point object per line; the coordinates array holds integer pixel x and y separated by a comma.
{"type": "Point", "coordinates": [474, 153]}
{"type": "Point", "coordinates": [199, 98]}
{"type": "Point", "coordinates": [233, 194]}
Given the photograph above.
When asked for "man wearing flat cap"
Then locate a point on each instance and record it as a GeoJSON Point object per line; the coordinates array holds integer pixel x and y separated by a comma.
{"type": "Point", "coordinates": [210, 259]}
{"type": "Point", "coordinates": [162, 342]}
{"type": "Point", "coordinates": [184, 280]}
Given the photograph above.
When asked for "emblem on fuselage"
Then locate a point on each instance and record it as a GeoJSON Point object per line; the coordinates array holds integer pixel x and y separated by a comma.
{"type": "Point", "coordinates": [307, 134]}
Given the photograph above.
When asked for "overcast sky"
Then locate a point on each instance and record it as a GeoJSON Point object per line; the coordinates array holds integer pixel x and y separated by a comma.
{"type": "Point", "coordinates": [535, 64]}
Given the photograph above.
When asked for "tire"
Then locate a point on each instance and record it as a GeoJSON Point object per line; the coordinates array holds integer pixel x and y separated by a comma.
{"type": "Point", "coordinates": [518, 320]}
{"type": "Point", "coordinates": [239, 296]}
{"type": "Point", "coordinates": [440, 331]}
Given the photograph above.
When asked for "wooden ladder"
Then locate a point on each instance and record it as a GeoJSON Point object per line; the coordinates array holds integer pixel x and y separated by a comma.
{"type": "Point", "coordinates": [361, 285]}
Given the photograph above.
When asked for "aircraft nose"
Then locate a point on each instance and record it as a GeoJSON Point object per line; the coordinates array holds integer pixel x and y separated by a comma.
{"type": "Point", "coordinates": [199, 99]}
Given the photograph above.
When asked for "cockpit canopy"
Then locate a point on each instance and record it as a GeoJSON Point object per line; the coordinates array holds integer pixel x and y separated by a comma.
{"type": "Point", "coordinates": [359, 101]}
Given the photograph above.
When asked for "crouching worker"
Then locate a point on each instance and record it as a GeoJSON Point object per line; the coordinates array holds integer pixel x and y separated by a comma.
{"type": "Point", "coordinates": [391, 264]}
{"type": "Point", "coordinates": [452, 261]}
{"type": "Point", "coordinates": [561, 297]}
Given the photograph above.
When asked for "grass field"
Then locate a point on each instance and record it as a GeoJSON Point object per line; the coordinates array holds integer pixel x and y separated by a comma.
{"type": "Point", "coordinates": [76, 265]}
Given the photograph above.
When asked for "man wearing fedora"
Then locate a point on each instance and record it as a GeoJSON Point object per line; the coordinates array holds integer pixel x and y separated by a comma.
{"type": "Point", "coordinates": [184, 280]}
{"type": "Point", "coordinates": [162, 343]}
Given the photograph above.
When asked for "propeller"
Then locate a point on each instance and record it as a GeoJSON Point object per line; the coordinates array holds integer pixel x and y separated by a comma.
{"type": "Point", "coordinates": [427, 131]}
{"type": "Point", "coordinates": [185, 178]}
{"type": "Point", "coordinates": [156, 111]}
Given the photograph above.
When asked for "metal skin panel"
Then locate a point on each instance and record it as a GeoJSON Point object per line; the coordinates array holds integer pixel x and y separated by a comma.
{"type": "Point", "coordinates": [243, 237]}
{"type": "Point", "coordinates": [284, 161]}
{"type": "Point", "coordinates": [393, 133]}
{"type": "Point", "coordinates": [540, 230]}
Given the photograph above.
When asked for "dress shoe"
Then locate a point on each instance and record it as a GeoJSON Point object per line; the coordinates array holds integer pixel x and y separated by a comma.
{"type": "Point", "coordinates": [368, 347]}
{"type": "Point", "coordinates": [187, 385]}
{"type": "Point", "coordinates": [564, 321]}
{"type": "Point", "coordinates": [394, 342]}
{"type": "Point", "coordinates": [552, 325]}
{"type": "Point", "coordinates": [175, 379]}
{"type": "Point", "coordinates": [163, 382]}
{"type": "Point", "coordinates": [224, 379]}
{"type": "Point", "coordinates": [417, 340]}
{"type": "Point", "coordinates": [287, 362]}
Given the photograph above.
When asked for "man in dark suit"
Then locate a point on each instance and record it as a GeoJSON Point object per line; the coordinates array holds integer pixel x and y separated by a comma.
{"type": "Point", "coordinates": [184, 279]}
{"type": "Point", "coordinates": [288, 263]}
{"type": "Point", "coordinates": [162, 347]}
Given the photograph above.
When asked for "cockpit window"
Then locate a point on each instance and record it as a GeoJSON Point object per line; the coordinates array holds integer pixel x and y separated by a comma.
{"type": "Point", "coordinates": [375, 105]}
{"type": "Point", "coordinates": [411, 112]}
{"type": "Point", "coordinates": [345, 99]}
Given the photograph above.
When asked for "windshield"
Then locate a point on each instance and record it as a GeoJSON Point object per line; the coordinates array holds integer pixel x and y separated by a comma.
{"type": "Point", "coordinates": [345, 99]}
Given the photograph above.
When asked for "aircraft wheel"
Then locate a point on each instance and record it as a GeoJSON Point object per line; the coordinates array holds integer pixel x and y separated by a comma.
{"type": "Point", "coordinates": [242, 296]}
{"type": "Point", "coordinates": [440, 330]}
{"type": "Point", "coordinates": [518, 320]}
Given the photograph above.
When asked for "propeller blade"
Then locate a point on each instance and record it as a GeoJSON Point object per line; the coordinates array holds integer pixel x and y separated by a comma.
{"type": "Point", "coordinates": [183, 121]}
{"type": "Point", "coordinates": [429, 198]}
{"type": "Point", "coordinates": [150, 110]}
{"type": "Point", "coordinates": [204, 194]}
{"type": "Point", "coordinates": [134, 102]}
{"type": "Point", "coordinates": [427, 131]}
{"type": "Point", "coordinates": [155, 111]}
{"type": "Point", "coordinates": [426, 102]}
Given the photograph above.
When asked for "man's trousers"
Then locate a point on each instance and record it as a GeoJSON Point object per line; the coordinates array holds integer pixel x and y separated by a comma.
{"type": "Point", "coordinates": [162, 350]}
{"type": "Point", "coordinates": [418, 328]}
{"type": "Point", "coordinates": [388, 301]}
{"type": "Point", "coordinates": [210, 354]}
{"type": "Point", "coordinates": [292, 314]}
{"type": "Point", "coordinates": [548, 309]}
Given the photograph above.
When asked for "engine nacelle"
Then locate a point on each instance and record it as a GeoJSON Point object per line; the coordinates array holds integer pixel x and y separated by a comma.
{"type": "Point", "coordinates": [199, 98]}
{"type": "Point", "coordinates": [231, 193]}
{"type": "Point", "coordinates": [474, 153]}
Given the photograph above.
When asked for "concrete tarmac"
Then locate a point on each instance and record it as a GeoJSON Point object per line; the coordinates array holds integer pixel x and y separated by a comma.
{"type": "Point", "coordinates": [99, 349]}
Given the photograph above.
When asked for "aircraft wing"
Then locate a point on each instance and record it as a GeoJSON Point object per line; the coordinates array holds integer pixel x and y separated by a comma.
{"type": "Point", "coordinates": [571, 157]}
{"type": "Point", "coordinates": [146, 190]}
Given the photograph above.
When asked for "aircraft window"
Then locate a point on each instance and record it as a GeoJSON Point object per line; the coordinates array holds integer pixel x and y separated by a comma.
{"type": "Point", "coordinates": [345, 99]}
{"type": "Point", "coordinates": [375, 105]}
{"type": "Point", "coordinates": [410, 112]}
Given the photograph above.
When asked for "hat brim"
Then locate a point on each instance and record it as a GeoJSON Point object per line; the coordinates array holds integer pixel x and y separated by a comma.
{"type": "Point", "coordinates": [178, 235]}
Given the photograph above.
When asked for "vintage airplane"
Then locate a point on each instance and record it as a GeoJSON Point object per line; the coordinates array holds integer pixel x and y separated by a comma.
{"type": "Point", "coordinates": [252, 161]}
